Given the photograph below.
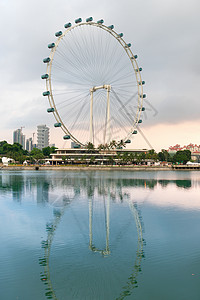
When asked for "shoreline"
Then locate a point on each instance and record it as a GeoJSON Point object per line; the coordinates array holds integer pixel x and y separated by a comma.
{"type": "Point", "coordinates": [106, 168]}
{"type": "Point", "coordinates": [79, 167]}
{"type": "Point", "coordinates": [101, 168]}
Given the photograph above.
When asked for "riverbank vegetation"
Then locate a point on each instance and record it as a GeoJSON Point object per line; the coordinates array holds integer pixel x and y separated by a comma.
{"type": "Point", "coordinates": [19, 155]}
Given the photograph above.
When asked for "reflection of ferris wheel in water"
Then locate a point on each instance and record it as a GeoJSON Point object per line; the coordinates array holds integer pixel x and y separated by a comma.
{"type": "Point", "coordinates": [60, 207]}
{"type": "Point", "coordinates": [94, 84]}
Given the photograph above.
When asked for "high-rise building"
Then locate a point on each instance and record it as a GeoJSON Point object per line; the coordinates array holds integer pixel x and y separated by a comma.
{"type": "Point", "coordinates": [42, 136]}
{"type": "Point", "coordinates": [29, 144]}
{"type": "Point", "coordinates": [19, 137]}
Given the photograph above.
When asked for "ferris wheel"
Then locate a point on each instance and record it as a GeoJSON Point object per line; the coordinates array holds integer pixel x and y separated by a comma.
{"type": "Point", "coordinates": [94, 84]}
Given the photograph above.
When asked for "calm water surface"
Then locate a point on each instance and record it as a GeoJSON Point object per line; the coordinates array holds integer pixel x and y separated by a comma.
{"type": "Point", "coordinates": [99, 235]}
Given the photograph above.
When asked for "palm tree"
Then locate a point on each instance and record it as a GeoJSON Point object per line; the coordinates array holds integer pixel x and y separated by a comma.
{"type": "Point", "coordinates": [152, 155]}
{"type": "Point", "coordinates": [121, 144]}
{"type": "Point", "coordinates": [113, 144]}
{"type": "Point", "coordinates": [90, 147]}
{"type": "Point", "coordinates": [101, 147]}
{"type": "Point", "coordinates": [107, 146]}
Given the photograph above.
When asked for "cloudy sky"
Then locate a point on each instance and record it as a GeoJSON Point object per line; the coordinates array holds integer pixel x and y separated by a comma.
{"type": "Point", "coordinates": [164, 34]}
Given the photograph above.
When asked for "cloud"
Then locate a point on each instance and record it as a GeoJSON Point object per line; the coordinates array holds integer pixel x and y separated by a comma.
{"type": "Point", "coordinates": [164, 34]}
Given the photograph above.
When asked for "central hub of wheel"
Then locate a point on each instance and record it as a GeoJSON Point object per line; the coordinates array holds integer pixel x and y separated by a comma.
{"type": "Point", "coordinates": [105, 86]}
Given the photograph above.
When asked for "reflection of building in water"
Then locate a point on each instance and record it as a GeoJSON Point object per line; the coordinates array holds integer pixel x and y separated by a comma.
{"type": "Point", "coordinates": [17, 188]}
{"type": "Point", "coordinates": [5, 179]}
{"type": "Point", "coordinates": [20, 184]}
{"type": "Point", "coordinates": [195, 183]}
{"type": "Point", "coordinates": [12, 183]}
{"type": "Point", "coordinates": [42, 191]}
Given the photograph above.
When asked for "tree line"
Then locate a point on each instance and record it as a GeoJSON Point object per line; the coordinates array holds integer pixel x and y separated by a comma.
{"type": "Point", "coordinates": [182, 156]}
{"type": "Point", "coordinates": [18, 154]}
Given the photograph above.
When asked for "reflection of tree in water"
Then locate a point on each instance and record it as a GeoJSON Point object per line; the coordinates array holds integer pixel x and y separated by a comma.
{"type": "Point", "coordinates": [163, 183]}
{"type": "Point", "coordinates": [42, 191]}
{"type": "Point", "coordinates": [114, 193]}
{"type": "Point", "coordinates": [90, 184]}
{"type": "Point", "coordinates": [184, 183]}
{"type": "Point", "coordinates": [150, 183]}
{"type": "Point", "coordinates": [21, 182]}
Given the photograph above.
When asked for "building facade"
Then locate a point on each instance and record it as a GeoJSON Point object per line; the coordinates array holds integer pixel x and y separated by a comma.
{"type": "Point", "coordinates": [19, 137]}
{"type": "Point", "coordinates": [95, 156]}
{"type": "Point", "coordinates": [42, 136]}
{"type": "Point", "coordinates": [29, 144]}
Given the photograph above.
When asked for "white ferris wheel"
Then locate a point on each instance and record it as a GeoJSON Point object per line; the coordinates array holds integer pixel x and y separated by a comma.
{"type": "Point", "coordinates": [94, 84]}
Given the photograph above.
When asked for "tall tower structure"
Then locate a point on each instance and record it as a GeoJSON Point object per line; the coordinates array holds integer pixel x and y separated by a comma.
{"type": "Point", "coordinates": [42, 136]}
{"type": "Point", "coordinates": [29, 144]}
{"type": "Point", "coordinates": [19, 137]}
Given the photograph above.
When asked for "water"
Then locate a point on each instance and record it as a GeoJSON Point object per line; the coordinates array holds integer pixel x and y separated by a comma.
{"type": "Point", "coordinates": [99, 235]}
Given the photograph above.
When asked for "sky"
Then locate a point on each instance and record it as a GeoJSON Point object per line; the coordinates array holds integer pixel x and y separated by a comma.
{"type": "Point", "coordinates": [164, 34]}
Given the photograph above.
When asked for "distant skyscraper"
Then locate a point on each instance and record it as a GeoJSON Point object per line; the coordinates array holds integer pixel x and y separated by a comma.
{"type": "Point", "coordinates": [23, 141]}
{"type": "Point", "coordinates": [19, 137]}
{"type": "Point", "coordinates": [42, 136]}
{"type": "Point", "coordinates": [29, 144]}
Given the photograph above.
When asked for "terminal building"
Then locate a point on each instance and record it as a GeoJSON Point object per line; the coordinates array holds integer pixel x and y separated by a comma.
{"type": "Point", "coordinates": [94, 156]}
